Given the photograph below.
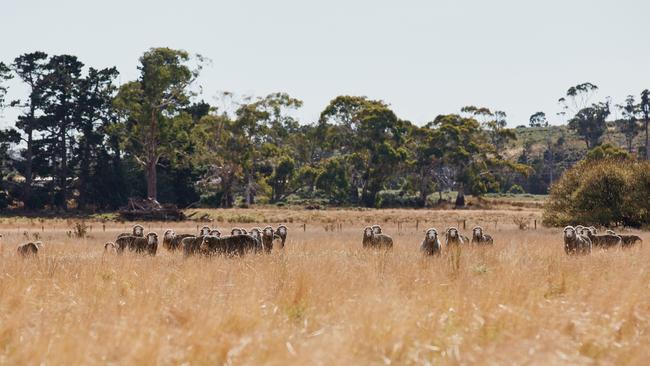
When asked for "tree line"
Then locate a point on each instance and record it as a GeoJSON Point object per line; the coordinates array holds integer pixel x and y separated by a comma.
{"type": "Point", "coordinates": [82, 141]}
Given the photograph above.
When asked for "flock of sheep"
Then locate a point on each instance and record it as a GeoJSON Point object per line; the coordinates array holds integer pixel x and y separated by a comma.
{"type": "Point", "coordinates": [577, 240]}
{"type": "Point", "coordinates": [207, 242]}
{"type": "Point", "coordinates": [374, 238]}
{"type": "Point", "coordinates": [581, 239]}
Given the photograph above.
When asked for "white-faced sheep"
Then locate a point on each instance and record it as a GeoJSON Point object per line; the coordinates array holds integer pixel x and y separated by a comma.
{"type": "Point", "coordinates": [574, 243]}
{"type": "Point", "coordinates": [172, 241]}
{"type": "Point", "coordinates": [256, 233]}
{"type": "Point", "coordinates": [281, 231]}
{"type": "Point", "coordinates": [431, 244]}
{"type": "Point", "coordinates": [376, 241]}
{"type": "Point", "coordinates": [268, 235]}
{"type": "Point", "coordinates": [478, 237]}
{"type": "Point", "coordinates": [376, 229]}
{"type": "Point", "coordinates": [138, 231]}
{"type": "Point", "coordinates": [204, 231]}
{"type": "Point", "coordinates": [453, 237]}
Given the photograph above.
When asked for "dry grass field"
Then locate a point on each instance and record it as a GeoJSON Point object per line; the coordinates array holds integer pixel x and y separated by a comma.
{"type": "Point", "coordinates": [324, 300]}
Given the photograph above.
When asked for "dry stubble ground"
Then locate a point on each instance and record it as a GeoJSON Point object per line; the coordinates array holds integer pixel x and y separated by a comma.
{"type": "Point", "coordinates": [324, 300]}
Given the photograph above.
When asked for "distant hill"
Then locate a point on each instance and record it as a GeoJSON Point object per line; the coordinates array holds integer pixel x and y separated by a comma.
{"type": "Point", "coordinates": [538, 138]}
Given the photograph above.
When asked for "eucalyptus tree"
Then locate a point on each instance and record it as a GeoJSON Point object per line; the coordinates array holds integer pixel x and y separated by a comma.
{"type": "Point", "coordinates": [645, 109]}
{"type": "Point", "coordinates": [538, 119]}
{"type": "Point", "coordinates": [588, 119]}
{"type": "Point", "coordinates": [578, 97]}
{"type": "Point", "coordinates": [263, 124]}
{"type": "Point", "coordinates": [372, 138]}
{"type": "Point", "coordinates": [629, 126]}
{"type": "Point", "coordinates": [155, 123]}
{"type": "Point", "coordinates": [590, 123]}
{"type": "Point", "coordinates": [494, 123]}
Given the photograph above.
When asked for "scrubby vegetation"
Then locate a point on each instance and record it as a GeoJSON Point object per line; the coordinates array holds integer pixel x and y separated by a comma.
{"type": "Point", "coordinates": [82, 142]}
{"type": "Point", "coordinates": [609, 192]}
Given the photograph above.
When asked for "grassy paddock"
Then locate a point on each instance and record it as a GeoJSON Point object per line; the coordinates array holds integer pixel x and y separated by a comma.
{"type": "Point", "coordinates": [324, 300]}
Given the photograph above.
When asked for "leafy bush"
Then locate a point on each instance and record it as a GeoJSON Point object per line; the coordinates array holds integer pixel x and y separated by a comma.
{"type": "Point", "coordinates": [396, 199]}
{"type": "Point", "coordinates": [607, 151]}
{"type": "Point", "coordinates": [603, 192]}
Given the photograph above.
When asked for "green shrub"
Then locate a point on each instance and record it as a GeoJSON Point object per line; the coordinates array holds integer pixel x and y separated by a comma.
{"type": "Point", "coordinates": [602, 192]}
{"type": "Point", "coordinates": [397, 199]}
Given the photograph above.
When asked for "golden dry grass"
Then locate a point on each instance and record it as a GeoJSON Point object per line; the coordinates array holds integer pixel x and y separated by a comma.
{"type": "Point", "coordinates": [324, 300]}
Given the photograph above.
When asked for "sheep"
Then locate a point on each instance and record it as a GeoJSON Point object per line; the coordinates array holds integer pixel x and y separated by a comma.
{"type": "Point", "coordinates": [376, 229]}
{"type": "Point", "coordinates": [191, 245]}
{"type": "Point", "coordinates": [123, 242]}
{"type": "Point", "coordinates": [256, 233]}
{"type": "Point", "coordinates": [172, 241]}
{"type": "Point", "coordinates": [574, 243]}
{"type": "Point", "coordinates": [478, 237]}
{"type": "Point", "coordinates": [29, 249]}
{"type": "Point", "coordinates": [204, 231]}
{"type": "Point", "coordinates": [453, 237]}
{"type": "Point", "coordinates": [373, 240]}
{"type": "Point", "coordinates": [281, 231]}
{"type": "Point", "coordinates": [628, 240]}
{"type": "Point", "coordinates": [229, 245]}
{"type": "Point", "coordinates": [603, 241]}
{"type": "Point", "coordinates": [110, 247]}
{"type": "Point", "coordinates": [138, 231]}
{"type": "Point", "coordinates": [431, 245]}
{"type": "Point", "coordinates": [268, 235]}
{"type": "Point", "coordinates": [148, 244]}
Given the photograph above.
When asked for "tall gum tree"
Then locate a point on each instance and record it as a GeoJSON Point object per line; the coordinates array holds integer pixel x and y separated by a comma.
{"type": "Point", "coordinates": [153, 109]}
{"type": "Point", "coordinates": [645, 109]}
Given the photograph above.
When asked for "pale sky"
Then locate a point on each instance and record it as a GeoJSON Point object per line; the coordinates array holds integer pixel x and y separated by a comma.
{"type": "Point", "coordinates": [424, 58]}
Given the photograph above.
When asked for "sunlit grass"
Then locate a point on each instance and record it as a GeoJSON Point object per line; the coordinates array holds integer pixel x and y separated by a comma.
{"type": "Point", "coordinates": [324, 300]}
